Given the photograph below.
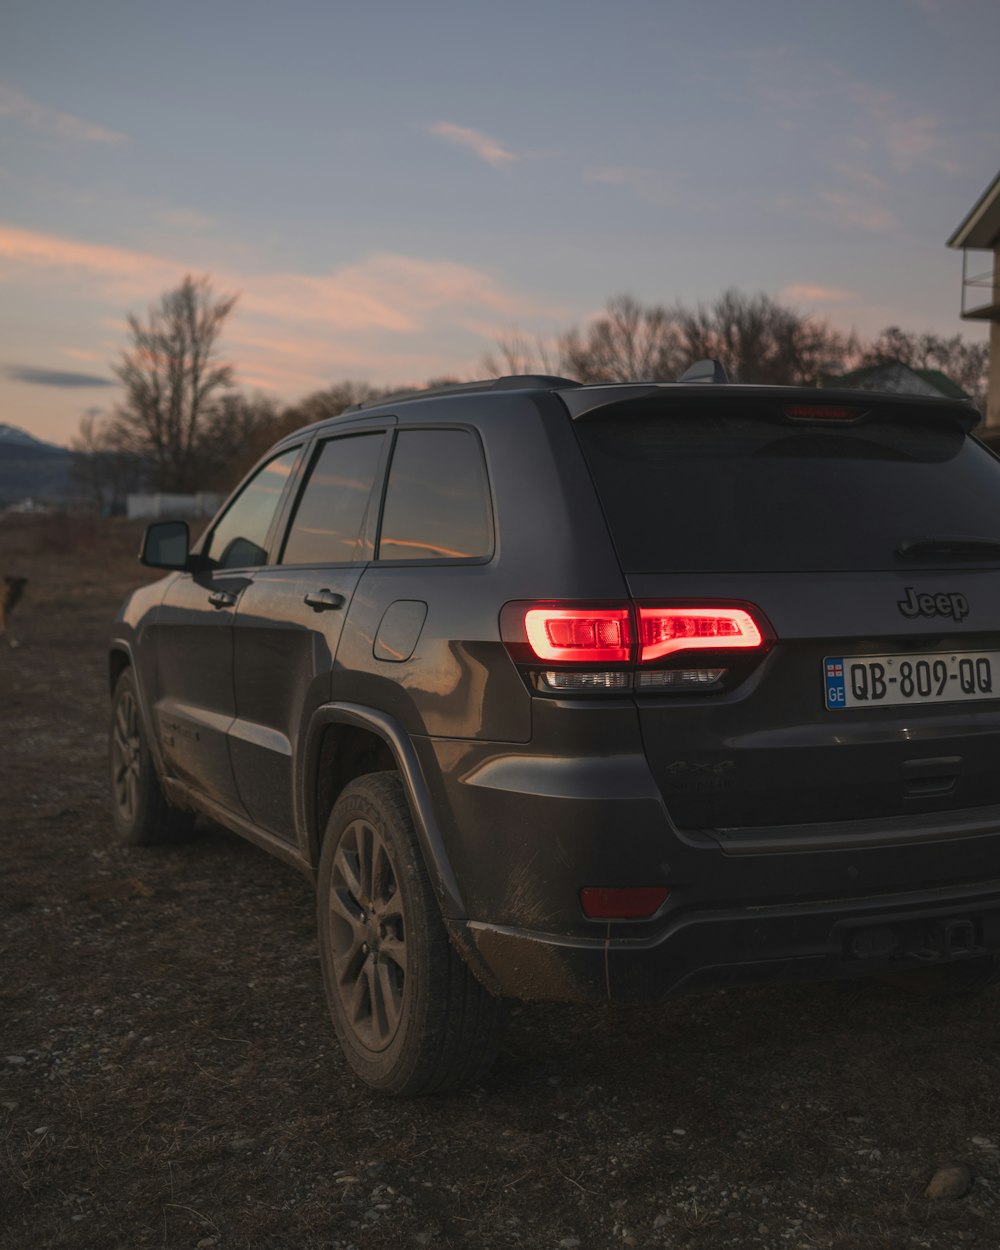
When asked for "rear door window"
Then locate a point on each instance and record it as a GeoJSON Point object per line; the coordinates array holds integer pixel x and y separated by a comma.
{"type": "Point", "coordinates": [436, 501]}
{"type": "Point", "coordinates": [721, 491]}
{"type": "Point", "coordinates": [328, 525]}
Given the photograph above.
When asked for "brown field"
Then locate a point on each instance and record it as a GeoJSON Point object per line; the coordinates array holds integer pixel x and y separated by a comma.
{"type": "Point", "coordinates": [168, 1077]}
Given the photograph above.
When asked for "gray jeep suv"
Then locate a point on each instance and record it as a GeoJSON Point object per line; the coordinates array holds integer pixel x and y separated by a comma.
{"type": "Point", "coordinates": [587, 693]}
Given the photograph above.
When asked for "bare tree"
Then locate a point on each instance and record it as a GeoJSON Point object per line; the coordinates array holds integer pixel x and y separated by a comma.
{"type": "Point", "coordinates": [759, 340]}
{"type": "Point", "coordinates": [514, 354]}
{"type": "Point", "coordinates": [236, 434]}
{"type": "Point", "coordinates": [172, 376]}
{"type": "Point", "coordinates": [629, 343]}
{"type": "Point", "coordinates": [328, 403]}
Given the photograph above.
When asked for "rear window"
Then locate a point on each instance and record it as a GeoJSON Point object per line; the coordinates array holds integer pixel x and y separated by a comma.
{"type": "Point", "coordinates": [720, 491]}
{"type": "Point", "coordinates": [436, 500]}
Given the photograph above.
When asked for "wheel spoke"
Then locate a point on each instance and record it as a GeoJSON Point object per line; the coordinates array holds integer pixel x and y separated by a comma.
{"type": "Point", "coordinates": [366, 850]}
{"type": "Point", "coordinates": [361, 995]}
{"type": "Point", "coordinates": [348, 967]}
{"type": "Point", "coordinates": [381, 874]}
{"type": "Point", "coordinates": [388, 998]}
{"type": "Point", "coordinates": [392, 948]}
{"type": "Point", "coordinates": [348, 873]}
{"type": "Point", "coordinates": [381, 1003]}
{"type": "Point", "coordinates": [346, 907]}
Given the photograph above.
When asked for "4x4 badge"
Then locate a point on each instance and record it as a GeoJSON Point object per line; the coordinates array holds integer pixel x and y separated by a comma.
{"type": "Point", "coordinates": [933, 605]}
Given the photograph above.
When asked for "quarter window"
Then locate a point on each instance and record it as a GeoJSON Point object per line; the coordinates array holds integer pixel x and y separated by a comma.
{"type": "Point", "coordinates": [328, 523]}
{"type": "Point", "coordinates": [436, 500]}
{"type": "Point", "coordinates": [238, 541]}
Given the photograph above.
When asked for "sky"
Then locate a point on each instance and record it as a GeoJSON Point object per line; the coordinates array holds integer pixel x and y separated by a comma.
{"type": "Point", "coordinates": [389, 186]}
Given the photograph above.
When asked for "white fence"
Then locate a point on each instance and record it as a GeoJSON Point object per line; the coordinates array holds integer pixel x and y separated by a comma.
{"type": "Point", "coordinates": [154, 507]}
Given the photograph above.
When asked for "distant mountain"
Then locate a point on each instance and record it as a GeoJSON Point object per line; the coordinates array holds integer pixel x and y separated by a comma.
{"type": "Point", "coordinates": [31, 468]}
{"type": "Point", "coordinates": [12, 434]}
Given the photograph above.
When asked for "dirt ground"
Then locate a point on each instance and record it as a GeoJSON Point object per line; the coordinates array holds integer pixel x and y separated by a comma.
{"type": "Point", "coordinates": [168, 1076]}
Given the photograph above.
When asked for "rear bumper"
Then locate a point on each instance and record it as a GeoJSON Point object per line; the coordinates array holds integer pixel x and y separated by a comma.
{"type": "Point", "coordinates": [712, 948]}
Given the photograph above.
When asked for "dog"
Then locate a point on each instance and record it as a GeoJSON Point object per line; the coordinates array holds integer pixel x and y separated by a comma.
{"type": "Point", "coordinates": [13, 590]}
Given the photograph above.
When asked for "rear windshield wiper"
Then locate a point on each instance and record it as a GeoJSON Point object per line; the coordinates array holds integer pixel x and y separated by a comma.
{"type": "Point", "coordinates": [949, 546]}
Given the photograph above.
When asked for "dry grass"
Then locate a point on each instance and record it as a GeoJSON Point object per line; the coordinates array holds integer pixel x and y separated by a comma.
{"type": "Point", "coordinates": [181, 1086]}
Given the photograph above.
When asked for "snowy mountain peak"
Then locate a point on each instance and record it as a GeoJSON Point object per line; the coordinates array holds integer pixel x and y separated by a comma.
{"type": "Point", "coordinates": [10, 436]}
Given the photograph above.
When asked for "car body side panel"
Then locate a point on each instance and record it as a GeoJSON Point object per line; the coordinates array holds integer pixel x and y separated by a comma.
{"type": "Point", "coordinates": [283, 662]}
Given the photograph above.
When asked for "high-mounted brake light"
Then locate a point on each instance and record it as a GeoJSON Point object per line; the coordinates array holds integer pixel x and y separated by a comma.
{"type": "Point", "coordinates": [580, 635]}
{"type": "Point", "coordinates": [822, 412]}
{"type": "Point", "coordinates": [663, 631]}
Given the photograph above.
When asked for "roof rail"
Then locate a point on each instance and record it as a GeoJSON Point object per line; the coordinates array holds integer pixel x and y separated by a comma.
{"type": "Point", "coordinates": [710, 371]}
{"type": "Point", "coordinates": [511, 382]}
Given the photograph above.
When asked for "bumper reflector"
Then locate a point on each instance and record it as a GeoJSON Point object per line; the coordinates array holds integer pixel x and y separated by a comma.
{"type": "Point", "coordinates": [587, 681]}
{"type": "Point", "coordinates": [679, 679]}
{"type": "Point", "coordinates": [617, 903]}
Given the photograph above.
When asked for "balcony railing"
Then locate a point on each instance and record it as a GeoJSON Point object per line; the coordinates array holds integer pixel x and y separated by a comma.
{"type": "Point", "coordinates": [980, 293]}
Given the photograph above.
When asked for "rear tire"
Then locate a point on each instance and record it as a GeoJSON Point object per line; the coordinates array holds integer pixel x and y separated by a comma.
{"type": "Point", "coordinates": [410, 1016]}
{"type": "Point", "coordinates": [140, 812]}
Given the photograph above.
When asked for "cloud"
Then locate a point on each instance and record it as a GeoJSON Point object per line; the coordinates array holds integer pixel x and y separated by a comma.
{"type": "Point", "coordinates": [383, 316]}
{"type": "Point", "coordinates": [866, 117]}
{"type": "Point", "coordinates": [840, 208]}
{"type": "Point", "coordinates": [805, 292]}
{"type": "Point", "coordinates": [122, 274]}
{"type": "Point", "coordinates": [485, 148]}
{"type": "Point", "coordinates": [41, 118]}
{"type": "Point", "coordinates": [52, 377]}
{"type": "Point", "coordinates": [909, 138]}
{"type": "Point", "coordinates": [184, 219]}
{"type": "Point", "coordinates": [649, 184]}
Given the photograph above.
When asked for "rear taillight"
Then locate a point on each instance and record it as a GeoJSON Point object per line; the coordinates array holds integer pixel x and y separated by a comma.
{"type": "Point", "coordinates": [580, 635]}
{"type": "Point", "coordinates": [619, 647]}
{"type": "Point", "coordinates": [664, 631]}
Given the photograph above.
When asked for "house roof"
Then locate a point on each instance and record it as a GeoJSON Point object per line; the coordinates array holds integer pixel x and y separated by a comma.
{"type": "Point", "coordinates": [933, 377]}
{"type": "Point", "coordinates": [981, 228]}
{"type": "Point", "coordinates": [941, 382]}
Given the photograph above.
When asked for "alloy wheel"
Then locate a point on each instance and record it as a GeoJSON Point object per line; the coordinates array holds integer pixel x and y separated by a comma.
{"type": "Point", "coordinates": [126, 746]}
{"type": "Point", "coordinates": [368, 935]}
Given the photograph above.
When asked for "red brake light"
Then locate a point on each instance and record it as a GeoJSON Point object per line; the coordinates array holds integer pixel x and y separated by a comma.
{"type": "Point", "coordinates": [822, 412]}
{"type": "Point", "coordinates": [665, 630]}
{"type": "Point", "coordinates": [580, 635]}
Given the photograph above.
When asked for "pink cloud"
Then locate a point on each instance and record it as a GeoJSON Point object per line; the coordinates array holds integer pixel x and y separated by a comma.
{"type": "Point", "coordinates": [842, 209]}
{"type": "Point", "coordinates": [390, 318]}
{"type": "Point", "coordinates": [485, 148]}
{"type": "Point", "coordinates": [805, 292]}
{"type": "Point", "coordinates": [40, 117]}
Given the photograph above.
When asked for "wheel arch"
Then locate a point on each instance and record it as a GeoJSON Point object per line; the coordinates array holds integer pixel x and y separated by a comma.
{"type": "Point", "coordinates": [119, 659]}
{"type": "Point", "coordinates": [346, 741]}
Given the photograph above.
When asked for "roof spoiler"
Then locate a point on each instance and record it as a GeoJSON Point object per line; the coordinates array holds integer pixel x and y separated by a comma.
{"type": "Point", "coordinates": [511, 382]}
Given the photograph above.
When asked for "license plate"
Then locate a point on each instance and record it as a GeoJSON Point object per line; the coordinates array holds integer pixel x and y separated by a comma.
{"type": "Point", "coordinates": [884, 680]}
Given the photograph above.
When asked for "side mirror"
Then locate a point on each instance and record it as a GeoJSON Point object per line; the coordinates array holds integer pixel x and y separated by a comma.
{"type": "Point", "coordinates": [166, 545]}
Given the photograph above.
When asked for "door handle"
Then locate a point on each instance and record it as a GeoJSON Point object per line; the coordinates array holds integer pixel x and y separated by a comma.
{"type": "Point", "coordinates": [221, 599]}
{"type": "Point", "coordinates": [324, 600]}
